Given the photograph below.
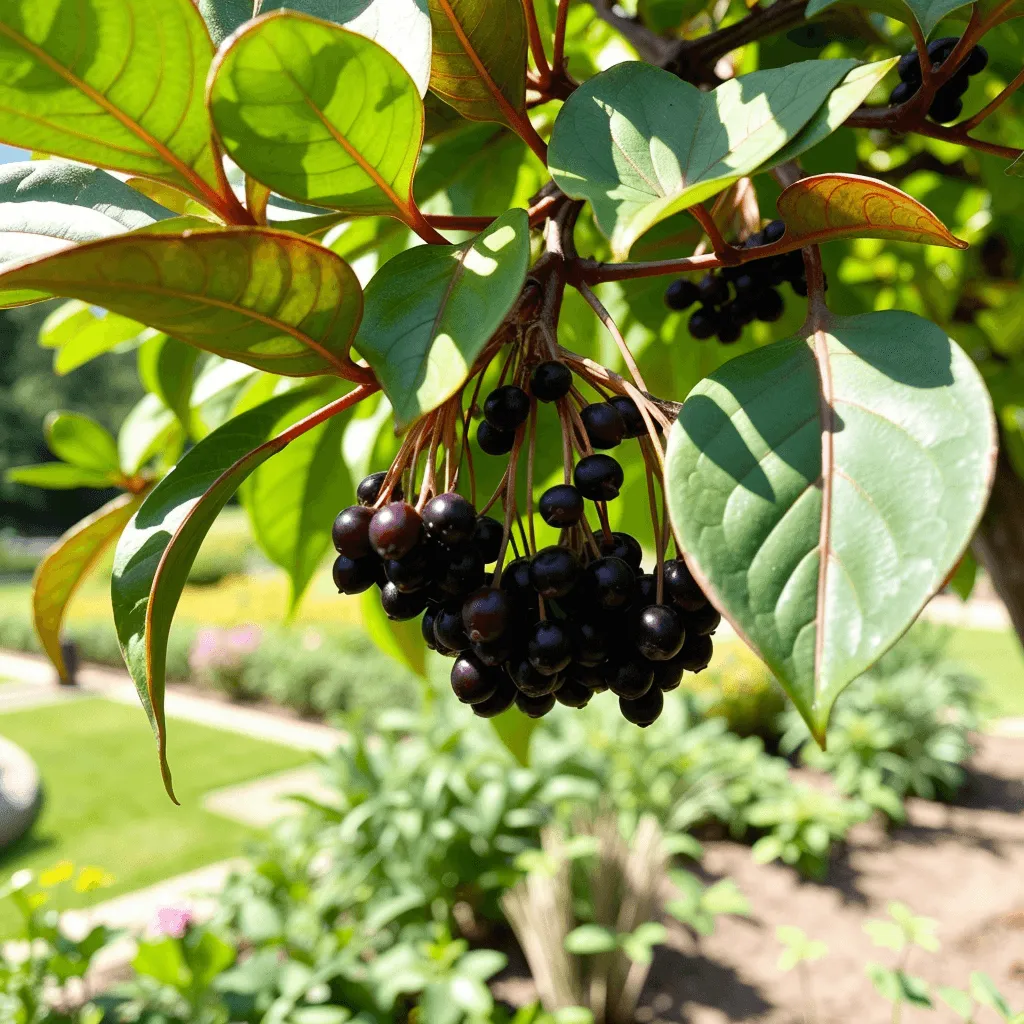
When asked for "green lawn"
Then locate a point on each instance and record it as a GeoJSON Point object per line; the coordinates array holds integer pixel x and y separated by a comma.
{"type": "Point", "coordinates": [105, 804]}
{"type": "Point", "coordinates": [996, 658]}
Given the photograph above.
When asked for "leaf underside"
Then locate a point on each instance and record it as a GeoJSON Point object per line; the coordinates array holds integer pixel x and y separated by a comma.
{"type": "Point", "coordinates": [745, 491]}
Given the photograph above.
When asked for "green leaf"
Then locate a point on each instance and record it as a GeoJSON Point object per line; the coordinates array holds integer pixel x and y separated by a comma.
{"type": "Point", "coordinates": [163, 961]}
{"type": "Point", "coordinates": [92, 81]}
{"type": "Point", "coordinates": [320, 114]}
{"type": "Point", "coordinates": [80, 332]}
{"type": "Point", "coordinates": [47, 204]}
{"type": "Point", "coordinates": [59, 476]}
{"type": "Point", "coordinates": [149, 430]}
{"type": "Point", "coordinates": [984, 990]}
{"type": "Point", "coordinates": [80, 441]}
{"type": "Point", "coordinates": [515, 730]}
{"type": "Point", "coordinates": [431, 310]}
{"type": "Point", "coordinates": [66, 564]}
{"type": "Point", "coordinates": [402, 641]}
{"type": "Point", "coordinates": [402, 27]}
{"type": "Point", "coordinates": [269, 298]}
{"type": "Point", "coordinates": [758, 485]}
{"type": "Point", "coordinates": [293, 499]}
{"type": "Point", "coordinates": [167, 370]}
{"type": "Point", "coordinates": [639, 945]}
{"type": "Point", "coordinates": [588, 939]}
{"type": "Point", "coordinates": [640, 144]}
{"type": "Point", "coordinates": [478, 64]}
{"type": "Point", "coordinates": [930, 12]}
{"type": "Point", "coordinates": [957, 1000]}
{"type": "Point", "coordinates": [157, 548]}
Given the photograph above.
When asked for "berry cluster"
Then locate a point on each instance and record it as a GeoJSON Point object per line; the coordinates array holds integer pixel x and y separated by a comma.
{"type": "Point", "coordinates": [947, 104]}
{"type": "Point", "coordinates": [733, 297]}
{"type": "Point", "coordinates": [556, 625]}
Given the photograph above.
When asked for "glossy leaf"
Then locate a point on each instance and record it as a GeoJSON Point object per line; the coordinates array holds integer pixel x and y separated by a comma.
{"type": "Point", "coordinates": [92, 81]}
{"type": "Point", "coordinates": [402, 27]}
{"type": "Point", "coordinates": [80, 441]}
{"type": "Point", "coordinates": [479, 58]}
{"type": "Point", "coordinates": [402, 641]}
{"type": "Point", "coordinates": [150, 430]}
{"type": "Point", "coordinates": [46, 205]}
{"type": "Point", "coordinates": [640, 144]}
{"type": "Point", "coordinates": [319, 114]}
{"type": "Point", "coordinates": [66, 564]}
{"type": "Point", "coordinates": [160, 543]}
{"type": "Point", "coordinates": [268, 298]}
{"type": "Point", "coordinates": [166, 369]}
{"type": "Point", "coordinates": [293, 499]}
{"type": "Point", "coordinates": [827, 206]}
{"type": "Point", "coordinates": [885, 468]}
{"type": "Point", "coordinates": [59, 476]}
{"type": "Point", "coordinates": [80, 332]}
{"type": "Point", "coordinates": [431, 310]}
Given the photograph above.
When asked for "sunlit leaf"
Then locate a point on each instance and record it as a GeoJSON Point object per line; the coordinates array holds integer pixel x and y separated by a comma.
{"type": "Point", "coordinates": [515, 729]}
{"type": "Point", "coordinates": [80, 441]}
{"type": "Point", "coordinates": [431, 310]}
{"type": "Point", "coordinates": [59, 476]}
{"type": "Point", "coordinates": [768, 468]}
{"type": "Point", "coordinates": [66, 564]}
{"type": "Point", "coordinates": [167, 368]}
{"type": "Point", "coordinates": [80, 332]}
{"type": "Point", "coordinates": [265, 297]}
{"type": "Point", "coordinates": [150, 430]}
{"type": "Point", "coordinates": [401, 640]}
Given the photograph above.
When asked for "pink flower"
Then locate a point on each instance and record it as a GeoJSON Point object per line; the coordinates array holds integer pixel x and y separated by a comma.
{"type": "Point", "coordinates": [172, 922]}
{"type": "Point", "coordinates": [244, 639]}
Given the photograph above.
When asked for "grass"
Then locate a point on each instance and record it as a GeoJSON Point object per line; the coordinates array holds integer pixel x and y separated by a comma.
{"type": "Point", "coordinates": [105, 804]}
{"type": "Point", "coordinates": [997, 659]}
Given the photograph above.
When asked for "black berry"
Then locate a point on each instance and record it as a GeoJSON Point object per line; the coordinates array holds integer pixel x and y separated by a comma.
{"type": "Point", "coordinates": [394, 530]}
{"type": "Point", "coordinates": [549, 648]}
{"type": "Point", "coordinates": [461, 571]}
{"type": "Point", "coordinates": [680, 586]}
{"type": "Point", "coordinates": [703, 323]}
{"type": "Point", "coordinates": [573, 694]}
{"type": "Point", "coordinates": [704, 621]}
{"type": "Point", "coordinates": [554, 571]}
{"type": "Point", "coordinates": [696, 653]}
{"type": "Point", "coordinates": [369, 489]}
{"type": "Point", "coordinates": [485, 614]}
{"type": "Point", "coordinates": [681, 294]}
{"type": "Point", "coordinates": [604, 425]}
{"type": "Point", "coordinates": [399, 605]}
{"type": "Point", "coordinates": [413, 572]}
{"type": "Point", "coordinates": [449, 519]}
{"type": "Point", "coordinates": [449, 631]}
{"type": "Point", "coordinates": [550, 381]}
{"type": "Point", "coordinates": [515, 582]}
{"type": "Point", "coordinates": [773, 231]}
{"type": "Point", "coordinates": [945, 108]}
{"type": "Point", "coordinates": [561, 505]}
{"type": "Point", "coordinates": [488, 534]}
{"type": "Point", "coordinates": [531, 682]}
{"type": "Point", "coordinates": [493, 652]}
{"type": "Point", "coordinates": [472, 681]}
{"type": "Point", "coordinates": [535, 707]}
{"type": "Point", "coordinates": [630, 678]}
{"type": "Point", "coordinates": [591, 641]}
{"type": "Point", "coordinates": [351, 531]}
{"type": "Point", "coordinates": [504, 697]}
{"type": "Point", "coordinates": [643, 711]}
{"type": "Point", "coordinates": [668, 674]}
{"type": "Point", "coordinates": [427, 628]}
{"type": "Point", "coordinates": [658, 632]}
{"type": "Point", "coordinates": [713, 290]}
{"type": "Point", "coordinates": [632, 418]}
{"type": "Point", "coordinates": [493, 440]}
{"type": "Point", "coordinates": [610, 582]}
{"type": "Point", "coordinates": [354, 575]}
{"type": "Point", "coordinates": [506, 407]}
{"type": "Point", "coordinates": [598, 477]}
{"type": "Point", "coordinates": [768, 305]}
{"type": "Point", "coordinates": [976, 61]}
{"type": "Point", "coordinates": [909, 67]}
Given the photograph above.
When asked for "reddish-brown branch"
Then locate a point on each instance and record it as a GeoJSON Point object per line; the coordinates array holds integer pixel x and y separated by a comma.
{"type": "Point", "coordinates": [455, 222]}
{"type": "Point", "coordinates": [558, 51]}
{"type": "Point", "coordinates": [540, 58]}
{"type": "Point", "coordinates": [726, 252]}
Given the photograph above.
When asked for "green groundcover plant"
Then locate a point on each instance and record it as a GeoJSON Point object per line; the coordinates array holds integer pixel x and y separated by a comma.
{"type": "Point", "coordinates": [342, 234]}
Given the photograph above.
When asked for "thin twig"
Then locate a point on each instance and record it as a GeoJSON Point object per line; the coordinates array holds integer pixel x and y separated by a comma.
{"type": "Point", "coordinates": [605, 317]}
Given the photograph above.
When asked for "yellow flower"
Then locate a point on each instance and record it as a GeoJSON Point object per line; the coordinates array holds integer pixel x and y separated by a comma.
{"type": "Point", "coordinates": [60, 872]}
{"type": "Point", "coordinates": [38, 899]}
{"type": "Point", "coordinates": [90, 878]}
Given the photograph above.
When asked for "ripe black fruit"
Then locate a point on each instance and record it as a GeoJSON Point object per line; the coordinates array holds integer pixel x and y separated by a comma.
{"type": "Point", "coordinates": [703, 323]}
{"type": "Point", "coordinates": [681, 294]}
{"type": "Point", "coordinates": [485, 614]}
{"type": "Point", "coordinates": [427, 628]}
{"type": "Point", "coordinates": [549, 648]}
{"type": "Point", "coordinates": [976, 61]}
{"type": "Point", "coordinates": [354, 575]}
{"type": "Point", "coordinates": [369, 489]}
{"type": "Point", "coordinates": [401, 606]}
{"type": "Point", "coordinates": [351, 531]}
{"type": "Point", "coordinates": [494, 652]}
{"type": "Point", "coordinates": [554, 571]}
{"type": "Point", "coordinates": [530, 681]}
{"type": "Point", "coordinates": [598, 477]}
{"type": "Point", "coordinates": [713, 290]}
{"type": "Point", "coordinates": [728, 330]}
{"type": "Point", "coordinates": [680, 586]}
{"type": "Point", "coordinates": [632, 418]}
{"type": "Point", "coordinates": [646, 590]}
{"type": "Point", "coordinates": [550, 381]}
{"type": "Point", "coordinates": [448, 629]}
{"type": "Point", "coordinates": [394, 530]}
{"type": "Point", "coordinates": [610, 582]}
{"type": "Point", "coordinates": [668, 674]}
{"type": "Point", "coordinates": [493, 440]}
{"type": "Point", "coordinates": [504, 697]}
{"type": "Point", "coordinates": [630, 678]}
{"type": "Point", "coordinates": [461, 571]}
{"type": "Point", "coordinates": [909, 67]}
{"type": "Point", "coordinates": [449, 519]}
{"type": "Point", "coordinates": [604, 425]}
{"type": "Point", "coordinates": [658, 632]}
{"type": "Point", "coordinates": [696, 653]}
{"type": "Point", "coordinates": [488, 534]}
{"type": "Point", "coordinates": [413, 572]}
{"type": "Point", "coordinates": [623, 546]}
{"type": "Point", "coordinates": [703, 621]}
{"type": "Point", "coordinates": [573, 694]}
{"type": "Point", "coordinates": [515, 581]}
{"type": "Point", "coordinates": [589, 676]}
{"type": "Point", "coordinates": [591, 641]}
{"type": "Point", "coordinates": [472, 681]}
{"type": "Point", "coordinates": [768, 306]}
{"type": "Point", "coordinates": [506, 407]}
{"type": "Point", "coordinates": [645, 710]}
{"type": "Point", "coordinates": [773, 231]}
{"type": "Point", "coordinates": [561, 505]}
{"type": "Point", "coordinates": [945, 108]}
{"type": "Point", "coordinates": [535, 707]}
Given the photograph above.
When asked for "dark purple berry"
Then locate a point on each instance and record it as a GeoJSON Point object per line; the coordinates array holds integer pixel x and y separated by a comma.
{"type": "Point", "coordinates": [351, 531]}
{"type": "Point", "coordinates": [449, 631]}
{"type": "Point", "coordinates": [395, 529]}
{"type": "Point", "coordinates": [799, 286]}
{"type": "Point", "coordinates": [589, 676]}
{"type": "Point", "coordinates": [427, 628]}
{"type": "Point", "coordinates": [696, 653]}
{"type": "Point", "coordinates": [472, 681]}
{"type": "Point", "coordinates": [681, 294]}
{"type": "Point", "coordinates": [400, 606]}
{"type": "Point", "coordinates": [609, 582]}
{"type": "Point", "coordinates": [768, 306]}
{"type": "Point", "coordinates": [413, 572]}
{"type": "Point", "coordinates": [506, 407]}
{"type": "Point", "coordinates": [909, 67]}
{"type": "Point", "coordinates": [550, 381]}
{"type": "Point", "coordinates": [449, 519]}
{"type": "Point", "coordinates": [354, 575]}
{"type": "Point", "coordinates": [703, 323]}
{"type": "Point", "coordinates": [604, 425]}
{"type": "Point", "coordinates": [630, 678]}
{"type": "Point", "coordinates": [493, 440]}
{"type": "Point", "coordinates": [535, 707]}
{"type": "Point", "coordinates": [488, 534]}
{"type": "Point", "coordinates": [632, 418]}
{"type": "Point", "coordinates": [591, 641]}
{"type": "Point", "coordinates": [561, 505]}
{"type": "Point", "coordinates": [549, 648]}
{"type": "Point", "coordinates": [773, 231]}
{"type": "Point", "coordinates": [645, 591]}
{"type": "Point", "coordinates": [515, 581]}
{"type": "Point", "coordinates": [573, 694]}
{"type": "Point", "coordinates": [504, 697]}
{"type": "Point", "coordinates": [623, 546]}
{"type": "Point", "coordinates": [940, 49]}
{"type": "Point", "coordinates": [729, 330]}
{"type": "Point", "coordinates": [598, 477]}
{"type": "Point", "coordinates": [754, 241]}
{"type": "Point", "coordinates": [369, 489]}
{"type": "Point", "coordinates": [658, 632]}
{"type": "Point", "coordinates": [713, 290]}
{"type": "Point", "coordinates": [668, 674]}
{"type": "Point", "coordinates": [531, 682]}
{"type": "Point", "coordinates": [748, 281]}
{"type": "Point", "coordinates": [485, 614]}
{"type": "Point", "coordinates": [704, 621]}
{"type": "Point", "coordinates": [554, 571]}
{"type": "Point", "coordinates": [903, 92]}
{"type": "Point", "coordinates": [461, 570]}
{"type": "Point", "coordinates": [956, 85]}
{"type": "Point", "coordinates": [680, 586]}
{"type": "Point", "coordinates": [977, 60]}
{"type": "Point", "coordinates": [945, 109]}
{"type": "Point", "coordinates": [643, 711]}
{"type": "Point", "coordinates": [494, 652]}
